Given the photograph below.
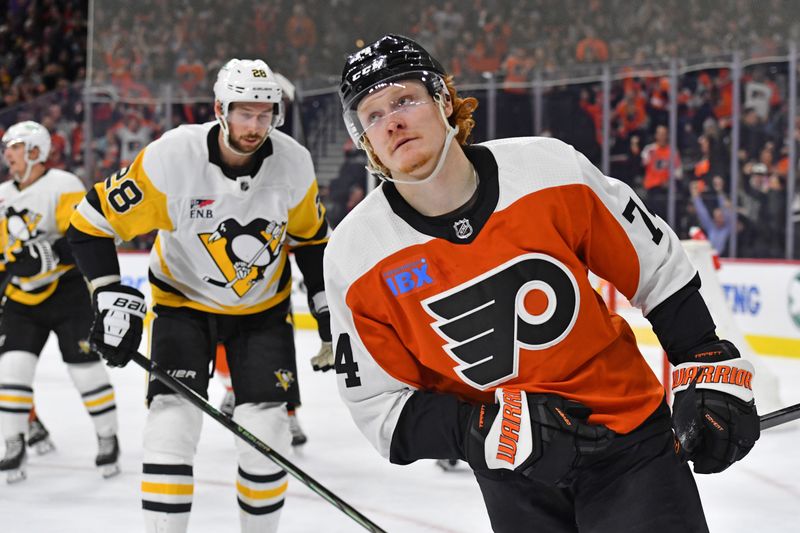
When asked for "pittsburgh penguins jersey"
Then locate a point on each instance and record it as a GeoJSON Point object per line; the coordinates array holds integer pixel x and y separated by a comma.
{"type": "Point", "coordinates": [41, 211]}
{"type": "Point", "coordinates": [497, 295]}
{"type": "Point", "coordinates": [222, 243]}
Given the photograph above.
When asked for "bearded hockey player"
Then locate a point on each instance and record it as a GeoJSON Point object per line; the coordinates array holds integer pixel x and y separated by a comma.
{"type": "Point", "coordinates": [465, 325]}
{"type": "Point", "coordinates": [44, 292]}
{"type": "Point", "coordinates": [229, 200]}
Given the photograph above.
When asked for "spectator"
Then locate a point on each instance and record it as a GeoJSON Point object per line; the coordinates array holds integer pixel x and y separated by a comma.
{"type": "Point", "coordinates": [656, 161]}
{"type": "Point", "coordinates": [718, 225]}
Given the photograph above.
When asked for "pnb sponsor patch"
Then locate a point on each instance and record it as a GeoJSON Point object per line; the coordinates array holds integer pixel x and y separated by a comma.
{"type": "Point", "coordinates": [409, 277]}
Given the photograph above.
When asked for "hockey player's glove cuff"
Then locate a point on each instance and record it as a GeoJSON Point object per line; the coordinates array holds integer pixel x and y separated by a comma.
{"type": "Point", "coordinates": [541, 436]}
{"type": "Point", "coordinates": [119, 313]}
{"type": "Point", "coordinates": [714, 413]}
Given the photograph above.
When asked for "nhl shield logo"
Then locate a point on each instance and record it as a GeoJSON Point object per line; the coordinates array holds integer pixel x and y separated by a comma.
{"type": "Point", "coordinates": [462, 228]}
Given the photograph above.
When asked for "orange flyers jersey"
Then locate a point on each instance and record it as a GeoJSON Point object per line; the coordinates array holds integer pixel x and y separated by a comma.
{"type": "Point", "coordinates": [497, 295]}
{"type": "Point", "coordinates": [222, 243]}
{"type": "Point", "coordinates": [41, 211]}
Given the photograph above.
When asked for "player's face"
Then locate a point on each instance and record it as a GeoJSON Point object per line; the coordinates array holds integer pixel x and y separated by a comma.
{"type": "Point", "coordinates": [404, 127]}
{"type": "Point", "coordinates": [248, 124]}
{"type": "Point", "coordinates": [14, 155]}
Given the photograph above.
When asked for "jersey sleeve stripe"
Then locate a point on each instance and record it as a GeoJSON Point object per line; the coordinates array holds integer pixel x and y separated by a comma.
{"type": "Point", "coordinates": [320, 236]}
{"type": "Point", "coordinates": [87, 220]}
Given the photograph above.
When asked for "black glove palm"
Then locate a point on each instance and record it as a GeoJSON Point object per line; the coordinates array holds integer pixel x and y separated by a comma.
{"type": "Point", "coordinates": [119, 313]}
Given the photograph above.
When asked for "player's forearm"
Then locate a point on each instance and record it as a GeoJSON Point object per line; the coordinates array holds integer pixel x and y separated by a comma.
{"type": "Point", "coordinates": [309, 260]}
{"type": "Point", "coordinates": [683, 321]}
{"type": "Point", "coordinates": [96, 257]}
{"type": "Point", "coordinates": [431, 426]}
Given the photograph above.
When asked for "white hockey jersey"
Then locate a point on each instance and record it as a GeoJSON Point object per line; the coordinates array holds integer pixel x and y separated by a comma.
{"type": "Point", "coordinates": [498, 295]}
{"type": "Point", "coordinates": [41, 211]}
{"type": "Point", "coordinates": [222, 244]}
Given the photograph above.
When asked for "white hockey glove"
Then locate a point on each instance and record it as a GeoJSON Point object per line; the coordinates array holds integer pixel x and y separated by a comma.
{"type": "Point", "coordinates": [323, 361]}
{"type": "Point", "coordinates": [119, 313]}
{"type": "Point", "coordinates": [33, 259]}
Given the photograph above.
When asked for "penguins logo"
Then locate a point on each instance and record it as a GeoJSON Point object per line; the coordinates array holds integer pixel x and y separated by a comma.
{"type": "Point", "coordinates": [285, 378]}
{"type": "Point", "coordinates": [243, 253]}
{"type": "Point", "coordinates": [17, 228]}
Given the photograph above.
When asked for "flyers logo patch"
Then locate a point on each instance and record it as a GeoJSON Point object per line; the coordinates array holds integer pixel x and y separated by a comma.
{"type": "Point", "coordinates": [530, 302]}
{"type": "Point", "coordinates": [243, 253]}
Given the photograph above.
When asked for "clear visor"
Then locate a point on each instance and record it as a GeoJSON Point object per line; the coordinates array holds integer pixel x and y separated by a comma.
{"type": "Point", "coordinates": [384, 102]}
{"type": "Point", "coordinates": [246, 116]}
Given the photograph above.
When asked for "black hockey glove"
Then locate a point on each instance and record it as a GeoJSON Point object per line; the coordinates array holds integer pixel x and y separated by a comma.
{"type": "Point", "coordinates": [542, 436]}
{"type": "Point", "coordinates": [713, 413]}
{"type": "Point", "coordinates": [32, 259]}
{"type": "Point", "coordinates": [118, 317]}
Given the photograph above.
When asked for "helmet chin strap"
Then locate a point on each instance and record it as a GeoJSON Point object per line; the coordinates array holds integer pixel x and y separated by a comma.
{"type": "Point", "coordinates": [223, 124]}
{"type": "Point", "coordinates": [22, 180]}
{"type": "Point", "coordinates": [451, 133]}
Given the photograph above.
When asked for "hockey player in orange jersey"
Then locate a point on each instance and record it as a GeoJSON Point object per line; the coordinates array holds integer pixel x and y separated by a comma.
{"type": "Point", "coordinates": [464, 324]}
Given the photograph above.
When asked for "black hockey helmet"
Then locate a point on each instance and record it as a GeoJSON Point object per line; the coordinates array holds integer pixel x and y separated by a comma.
{"type": "Point", "coordinates": [392, 57]}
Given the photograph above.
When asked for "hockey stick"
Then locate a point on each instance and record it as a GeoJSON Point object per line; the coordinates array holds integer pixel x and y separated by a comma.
{"type": "Point", "coordinates": [253, 441]}
{"type": "Point", "coordinates": [781, 416]}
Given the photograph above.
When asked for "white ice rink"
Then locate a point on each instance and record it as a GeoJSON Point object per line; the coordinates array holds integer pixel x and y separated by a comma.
{"type": "Point", "coordinates": [64, 493]}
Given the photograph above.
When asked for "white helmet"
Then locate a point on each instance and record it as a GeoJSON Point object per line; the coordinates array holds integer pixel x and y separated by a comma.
{"type": "Point", "coordinates": [247, 80]}
{"type": "Point", "coordinates": [32, 135]}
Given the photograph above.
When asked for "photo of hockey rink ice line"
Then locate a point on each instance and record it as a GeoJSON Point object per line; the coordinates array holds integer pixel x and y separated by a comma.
{"type": "Point", "coordinates": [64, 493]}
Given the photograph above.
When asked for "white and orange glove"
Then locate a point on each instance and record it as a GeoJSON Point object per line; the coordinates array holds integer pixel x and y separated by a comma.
{"type": "Point", "coordinates": [714, 414]}
{"type": "Point", "coordinates": [542, 436]}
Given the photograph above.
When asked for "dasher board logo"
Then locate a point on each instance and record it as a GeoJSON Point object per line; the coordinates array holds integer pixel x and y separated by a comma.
{"type": "Point", "coordinates": [242, 252]}
{"type": "Point", "coordinates": [17, 228]}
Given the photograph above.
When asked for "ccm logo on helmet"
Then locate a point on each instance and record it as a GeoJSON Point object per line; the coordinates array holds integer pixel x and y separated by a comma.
{"type": "Point", "coordinates": [528, 303]}
{"type": "Point", "coordinates": [377, 64]}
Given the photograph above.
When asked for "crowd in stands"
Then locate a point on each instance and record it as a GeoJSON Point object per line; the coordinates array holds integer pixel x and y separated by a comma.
{"type": "Point", "coordinates": [139, 46]}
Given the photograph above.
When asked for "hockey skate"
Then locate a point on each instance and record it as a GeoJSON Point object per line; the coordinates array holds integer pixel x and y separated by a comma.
{"type": "Point", "coordinates": [39, 437]}
{"type": "Point", "coordinates": [228, 403]}
{"type": "Point", "coordinates": [298, 437]}
{"type": "Point", "coordinates": [107, 459]}
{"type": "Point", "coordinates": [448, 465]}
{"type": "Point", "coordinates": [13, 464]}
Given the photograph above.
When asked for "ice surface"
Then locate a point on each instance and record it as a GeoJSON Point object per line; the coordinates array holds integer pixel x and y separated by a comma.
{"type": "Point", "coordinates": [64, 492]}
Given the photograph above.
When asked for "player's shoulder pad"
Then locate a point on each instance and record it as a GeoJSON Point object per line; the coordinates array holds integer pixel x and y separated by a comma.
{"type": "Point", "coordinates": [539, 162]}
{"type": "Point", "coordinates": [63, 181]}
{"type": "Point", "coordinates": [294, 158]}
{"type": "Point", "coordinates": [367, 235]}
{"type": "Point", "coordinates": [286, 144]}
{"type": "Point", "coordinates": [173, 152]}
